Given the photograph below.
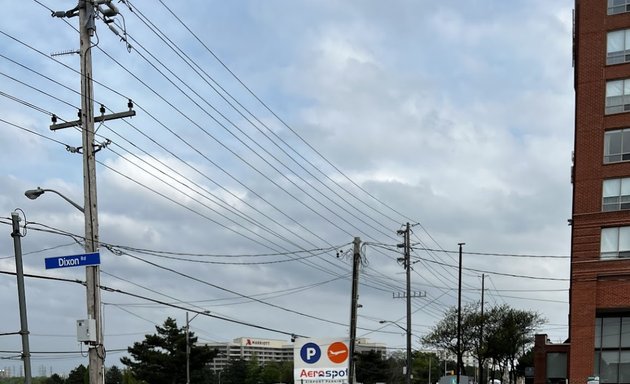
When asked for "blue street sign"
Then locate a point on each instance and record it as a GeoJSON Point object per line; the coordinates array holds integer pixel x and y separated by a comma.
{"type": "Point", "coordinates": [73, 261]}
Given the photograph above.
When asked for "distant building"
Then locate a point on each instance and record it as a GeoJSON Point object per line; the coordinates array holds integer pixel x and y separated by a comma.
{"type": "Point", "coordinates": [268, 350]}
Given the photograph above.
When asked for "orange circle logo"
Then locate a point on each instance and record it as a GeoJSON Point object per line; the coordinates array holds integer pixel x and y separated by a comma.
{"type": "Point", "coordinates": [337, 352]}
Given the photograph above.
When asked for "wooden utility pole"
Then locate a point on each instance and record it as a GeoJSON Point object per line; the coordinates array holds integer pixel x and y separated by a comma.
{"type": "Point", "coordinates": [354, 304]}
{"type": "Point", "coordinates": [86, 28]}
{"type": "Point", "coordinates": [483, 282]}
{"type": "Point", "coordinates": [87, 11]}
{"type": "Point", "coordinates": [407, 252]}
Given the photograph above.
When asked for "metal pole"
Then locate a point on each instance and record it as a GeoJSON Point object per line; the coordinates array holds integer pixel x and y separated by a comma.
{"type": "Point", "coordinates": [356, 261]}
{"type": "Point", "coordinates": [187, 351]}
{"type": "Point", "coordinates": [483, 282]}
{"type": "Point", "coordinates": [17, 245]}
{"type": "Point", "coordinates": [459, 315]}
{"type": "Point", "coordinates": [86, 29]}
{"type": "Point", "coordinates": [408, 268]}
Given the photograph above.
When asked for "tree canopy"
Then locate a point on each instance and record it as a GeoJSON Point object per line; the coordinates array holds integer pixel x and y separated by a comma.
{"type": "Point", "coordinates": [507, 332]}
{"type": "Point", "coordinates": [161, 358]}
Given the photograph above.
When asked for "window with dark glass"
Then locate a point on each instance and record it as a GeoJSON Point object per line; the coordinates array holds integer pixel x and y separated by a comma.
{"type": "Point", "coordinates": [612, 349]}
{"type": "Point", "coordinates": [617, 146]}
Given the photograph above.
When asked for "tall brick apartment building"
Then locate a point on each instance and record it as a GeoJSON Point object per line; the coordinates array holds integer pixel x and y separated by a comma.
{"type": "Point", "coordinates": [599, 315]}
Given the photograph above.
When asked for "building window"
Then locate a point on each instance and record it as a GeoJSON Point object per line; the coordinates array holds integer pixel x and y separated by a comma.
{"type": "Point", "coordinates": [617, 96]}
{"type": "Point", "coordinates": [618, 47]}
{"type": "Point", "coordinates": [612, 349]}
{"type": "Point", "coordinates": [556, 365]}
{"type": "Point", "coordinates": [615, 243]}
{"type": "Point", "coordinates": [618, 6]}
{"type": "Point", "coordinates": [617, 146]}
{"type": "Point", "coordinates": [616, 194]}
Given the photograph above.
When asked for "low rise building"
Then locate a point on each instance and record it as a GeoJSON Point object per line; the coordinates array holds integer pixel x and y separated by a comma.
{"type": "Point", "coordinates": [270, 350]}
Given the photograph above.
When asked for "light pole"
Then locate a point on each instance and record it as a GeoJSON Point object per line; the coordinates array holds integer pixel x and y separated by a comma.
{"type": "Point", "coordinates": [92, 281]}
{"type": "Point", "coordinates": [406, 330]}
{"type": "Point", "coordinates": [188, 344]}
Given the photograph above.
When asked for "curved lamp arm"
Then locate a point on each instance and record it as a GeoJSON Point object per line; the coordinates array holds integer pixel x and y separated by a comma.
{"type": "Point", "coordinates": [35, 193]}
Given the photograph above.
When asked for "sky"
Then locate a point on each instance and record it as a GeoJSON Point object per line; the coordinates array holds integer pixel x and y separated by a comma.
{"type": "Point", "coordinates": [267, 136]}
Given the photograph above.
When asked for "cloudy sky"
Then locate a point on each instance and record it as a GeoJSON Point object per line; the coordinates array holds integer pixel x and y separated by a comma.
{"type": "Point", "coordinates": [268, 135]}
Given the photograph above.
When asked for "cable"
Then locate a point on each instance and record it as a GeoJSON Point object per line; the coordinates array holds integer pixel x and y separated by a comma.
{"type": "Point", "coordinates": [108, 289]}
{"type": "Point", "coordinates": [500, 254]}
{"type": "Point", "coordinates": [71, 69]}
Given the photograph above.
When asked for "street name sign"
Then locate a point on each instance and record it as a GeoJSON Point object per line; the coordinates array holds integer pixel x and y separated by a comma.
{"type": "Point", "coordinates": [84, 259]}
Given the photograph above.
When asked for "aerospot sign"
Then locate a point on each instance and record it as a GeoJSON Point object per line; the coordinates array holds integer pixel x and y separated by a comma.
{"type": "Point", "coordinates": [321, 361]}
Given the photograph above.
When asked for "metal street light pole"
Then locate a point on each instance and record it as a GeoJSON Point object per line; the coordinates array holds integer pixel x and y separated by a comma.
{"type": "Point", "coordinates": [92, 275]}
{"type": "Point", "coordinates": [459, 315]}
{"type": "Point", "coordinates": [408, 334]}
{"type": "Point", "coordinates": [395, 323]}
{"type": "Point", "coordinates": [188, 344]}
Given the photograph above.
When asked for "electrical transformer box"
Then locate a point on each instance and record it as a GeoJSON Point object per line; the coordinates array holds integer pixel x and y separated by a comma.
{"type": "Point", "coordinates": [86, 331]}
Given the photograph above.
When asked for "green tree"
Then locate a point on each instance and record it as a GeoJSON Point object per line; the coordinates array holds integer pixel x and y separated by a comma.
{"type": "Point", "coordinates": [127, 377]}
{"type": "Point", "coordinates": [54, 379]}
{"type": "Point", "coordinates": [113, 375]}
{"type": "Point", "coordinates": [371, 368]}
{"type": "Point", "coordinates": [161, 358]}
{"type": "Point", "coordinates": [507, 334]}
{"type": "Point", "coordinates": [79, 375]}
{"type": "Point", "coordinates": [422, 363]}
{"type": "Point", "coordinates": [443, 335]}
{"type": "Point", "coordinates": [511, 333]}
{"type": "Point", "coordinates": [235, 372]}
{"type": "Point", "coordinates": [276, 372]}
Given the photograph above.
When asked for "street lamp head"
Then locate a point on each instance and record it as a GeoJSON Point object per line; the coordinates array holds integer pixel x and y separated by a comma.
{"type": "Point", "coordinates": [34, 193]}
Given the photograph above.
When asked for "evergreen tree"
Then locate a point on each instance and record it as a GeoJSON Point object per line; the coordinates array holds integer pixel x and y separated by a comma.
{"type": "Point", "coordinates": [113, 375]}
{"type": "Point", "coordinates": [79, 375]}
{"type": "Point", "coordinates": [54, 379]}
{"type": "Point", "coordinates": [161, 358]}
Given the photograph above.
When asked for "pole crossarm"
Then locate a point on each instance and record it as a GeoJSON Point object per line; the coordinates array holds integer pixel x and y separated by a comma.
{"type": "Point", "coordinates": [97, 119]}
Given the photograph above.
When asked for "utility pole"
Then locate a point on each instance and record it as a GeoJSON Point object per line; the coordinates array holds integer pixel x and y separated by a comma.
{"type": "Point", "coordinates": [407, 265]}
{"type": "Point", "coordinates": [86, 28]}
{"type": "Point", "coordinates": [187, 350]}
{"type": "Point", "coordinates": [483, 282]}
{"type": "Point", "coordinates": [406, 261]}
{"type": "Point", "coordinates": [459, 315]}
{"type": "Point", "coordinates": [87, 12]}
{"type": "Point", "coordinates": [19, 269]}
{"type": "Point", "coordinates": [354, 304]}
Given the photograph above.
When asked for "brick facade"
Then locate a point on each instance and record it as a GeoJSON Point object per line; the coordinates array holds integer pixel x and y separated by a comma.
{"type": "Point", "coordinates": [596, 286]}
